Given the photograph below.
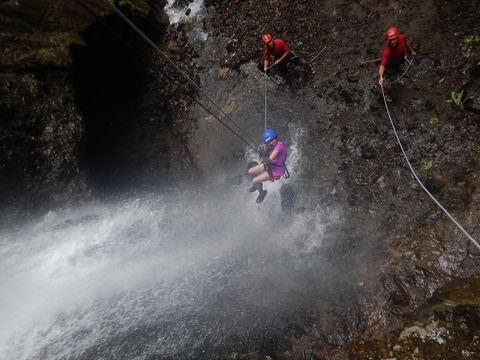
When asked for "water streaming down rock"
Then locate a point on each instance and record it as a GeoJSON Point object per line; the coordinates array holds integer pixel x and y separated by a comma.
{"type": "Point", "coordinates": [166, 275]}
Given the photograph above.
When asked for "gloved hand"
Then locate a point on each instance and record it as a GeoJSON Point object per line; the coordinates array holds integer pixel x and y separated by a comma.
{"type": "Point", "coordinates": [267, 161]}
{"type": "Point", "coordinates": [262, 151]}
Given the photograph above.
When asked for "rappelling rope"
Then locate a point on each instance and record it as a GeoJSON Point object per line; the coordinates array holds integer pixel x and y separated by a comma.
{"type": "Point", "coordinates": [286, 175]}
{"type": "Point", "coordinates": [155, 47]}
{"type": "Point", "coordinates": [265, 81]}
{"type": "Point", "coordinates": [155, 67]}
{"type": "Point", "coordinates": [475, 242]}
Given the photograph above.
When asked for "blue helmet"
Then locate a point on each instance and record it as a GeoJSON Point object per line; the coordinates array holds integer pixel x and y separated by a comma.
{"type": "Point", "coordinates": [268, 135]}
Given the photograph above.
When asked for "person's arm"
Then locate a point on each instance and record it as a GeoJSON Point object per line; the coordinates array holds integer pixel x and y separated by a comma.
{"type": "Point", "coordinates": [285, 54]}
{"type": "Point", "coordinates": [383, 63]}
{"type": "Point", "coordinates": [266, 56]}
{"type": "Point", "coordinates": [410, 50]}
{"type": "Point", "coordinates": [381, 70]}
{"type": "Point", "coordinates": [265, 65]}
{"type": "Point", "coordinates": [273, 155]}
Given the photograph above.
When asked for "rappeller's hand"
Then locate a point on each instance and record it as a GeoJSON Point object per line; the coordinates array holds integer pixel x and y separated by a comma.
{"type": "Point", "coordinates": [265, 68]}
{"type": "Point", "coordinates": [277, 62]}
{"type": "Point", "coordinates": [413, 54]}
{"type": "Point", "coordinates": [262, 151]}
{"type": "Point", "coordinates": [381, 81]}
{"type": "Point", "coordinates": [267, 161]}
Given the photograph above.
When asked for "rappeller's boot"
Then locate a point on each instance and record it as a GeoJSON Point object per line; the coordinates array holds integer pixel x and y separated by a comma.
{"type": "Point", "coordinates": [261, 196]}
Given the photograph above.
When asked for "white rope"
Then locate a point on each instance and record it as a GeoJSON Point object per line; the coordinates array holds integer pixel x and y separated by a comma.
{"type": "Point", "coordinates": [155, 47]}
{"type": "Point", "coordinates": [475, 242]}
{"type": "Point", "coordinates": [319, 53]}
{"type": "Point", "coordinates": [265, 77]}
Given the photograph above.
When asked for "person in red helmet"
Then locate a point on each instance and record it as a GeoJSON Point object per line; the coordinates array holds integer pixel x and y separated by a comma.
{"type": "Point", "coordinates": [278, 49]}
{"type": "Point", "coordinates": [393, 54]}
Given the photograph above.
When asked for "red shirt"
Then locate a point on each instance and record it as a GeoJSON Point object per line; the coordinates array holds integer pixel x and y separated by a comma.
{"type": "Point", "coordinates": [394, 56]}
{"type": "Point", "coordinates": [279, 48]}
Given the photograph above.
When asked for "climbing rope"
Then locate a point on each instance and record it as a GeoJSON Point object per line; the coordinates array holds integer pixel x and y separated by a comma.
{"type": "Point", "coordinates": [173, 64]}
{"type": "Point", "coordinates": [286, 175]}
{"type": "Point", "coordinates": [319, 53]}
{"type": "Point", "coordinates": [265, 81]}
{"type": "Point", "coordinates": [475, 242]}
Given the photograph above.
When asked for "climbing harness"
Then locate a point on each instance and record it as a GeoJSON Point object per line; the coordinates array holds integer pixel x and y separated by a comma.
{"type": "Point", "coordinates": [173, 64]}
{"type": "Point", "coordinates": [409, 62]}
{"type": "Point", "coordinates": [475, 242]}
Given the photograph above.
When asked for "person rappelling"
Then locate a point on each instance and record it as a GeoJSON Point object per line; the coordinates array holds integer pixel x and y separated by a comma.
{"type": "Point", "coordinates": [278, 49]}
{"type": "Point", "coordinates": [273, 163]}
{"type": "Point", "coordinates": [393, 55]}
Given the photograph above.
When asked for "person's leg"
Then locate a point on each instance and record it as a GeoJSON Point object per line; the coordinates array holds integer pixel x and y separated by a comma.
{"type": "Point", "coordinates": [259, 179]}
{"type": "Point", "coordinates": [257, 182]}
{"type": "Point", "coordinates": [254, 172]}
{"type": "Point", "coordinates": [308, 66]}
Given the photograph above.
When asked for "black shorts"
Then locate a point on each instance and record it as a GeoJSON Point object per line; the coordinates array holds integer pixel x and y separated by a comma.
{"type": "Point", "coordinates": [392, 72]}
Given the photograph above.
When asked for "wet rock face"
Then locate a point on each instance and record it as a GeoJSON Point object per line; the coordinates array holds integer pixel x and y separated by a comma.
{"type": "Point", "coordinates": [81, 103]}
{"type": "Point", "coordinates": [41, 124]}
{"type": "Point", "coordinates": [424, 251]}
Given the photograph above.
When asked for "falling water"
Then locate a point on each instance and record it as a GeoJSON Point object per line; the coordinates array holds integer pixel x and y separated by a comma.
{"type": "Point", "coordinates": [162, 274]}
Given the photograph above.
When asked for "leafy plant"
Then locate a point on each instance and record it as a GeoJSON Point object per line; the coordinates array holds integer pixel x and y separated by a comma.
{"type": "Point", "coordinates": [459, 99]}
{"type": "Point", "coordinates": [476, 146]}
{"type": "Point", "coordinates": [413, 185]}
{"type": "Point", "coordinates": [468, 43]}
{"type": "Point", "coordinates": [425, 165]}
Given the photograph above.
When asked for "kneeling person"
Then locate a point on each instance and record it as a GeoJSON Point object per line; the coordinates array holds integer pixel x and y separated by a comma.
{"type": "Point", "coordinates": [273, 166]}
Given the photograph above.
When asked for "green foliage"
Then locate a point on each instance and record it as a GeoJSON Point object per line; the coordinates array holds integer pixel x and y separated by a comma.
{"type": "Point", "coordinates": [468, 44]}
{"type": "Point", "coordinates": [413, 185]}
{"type": "Point", "coordinates": [476, 146]}
{"type": "Point", "coordinates": [425, 165]}
{"type": "Point", "coordinates": [459, 99]}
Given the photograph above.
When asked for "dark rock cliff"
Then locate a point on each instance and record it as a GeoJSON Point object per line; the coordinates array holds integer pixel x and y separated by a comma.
{"type": "Point", "coordinates": [81, 104]}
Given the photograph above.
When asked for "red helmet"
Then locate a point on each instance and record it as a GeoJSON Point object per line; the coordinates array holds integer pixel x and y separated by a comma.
{"type": "Point", "coordinates": [391, 33]}
{"type": "Point", "coordinates": [266, 38]}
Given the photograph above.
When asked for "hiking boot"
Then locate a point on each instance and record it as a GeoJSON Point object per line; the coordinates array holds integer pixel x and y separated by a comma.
{"type": "Point", "coordinates": [261, 196]}
{"type": "Point", "coordinates": [252, 189]}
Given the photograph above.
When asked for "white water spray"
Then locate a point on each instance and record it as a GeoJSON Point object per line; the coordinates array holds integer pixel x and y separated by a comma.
{"type": "Point", "coordinates": [147, 276]}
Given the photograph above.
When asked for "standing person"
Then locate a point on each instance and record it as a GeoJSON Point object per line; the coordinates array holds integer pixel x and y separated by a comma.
{"type": "Point", "coordinates": [393, 55]}
{"type": "Point", "coordinates": [273, 166]}
{"type": "Point", "coordinates": [278, 49]}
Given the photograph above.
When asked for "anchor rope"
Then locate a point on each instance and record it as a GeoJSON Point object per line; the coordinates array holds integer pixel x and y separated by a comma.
{"type": "Point", "coordinates": [475, 242]}
{"type": "Point", "coordinates": [174, 65]}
